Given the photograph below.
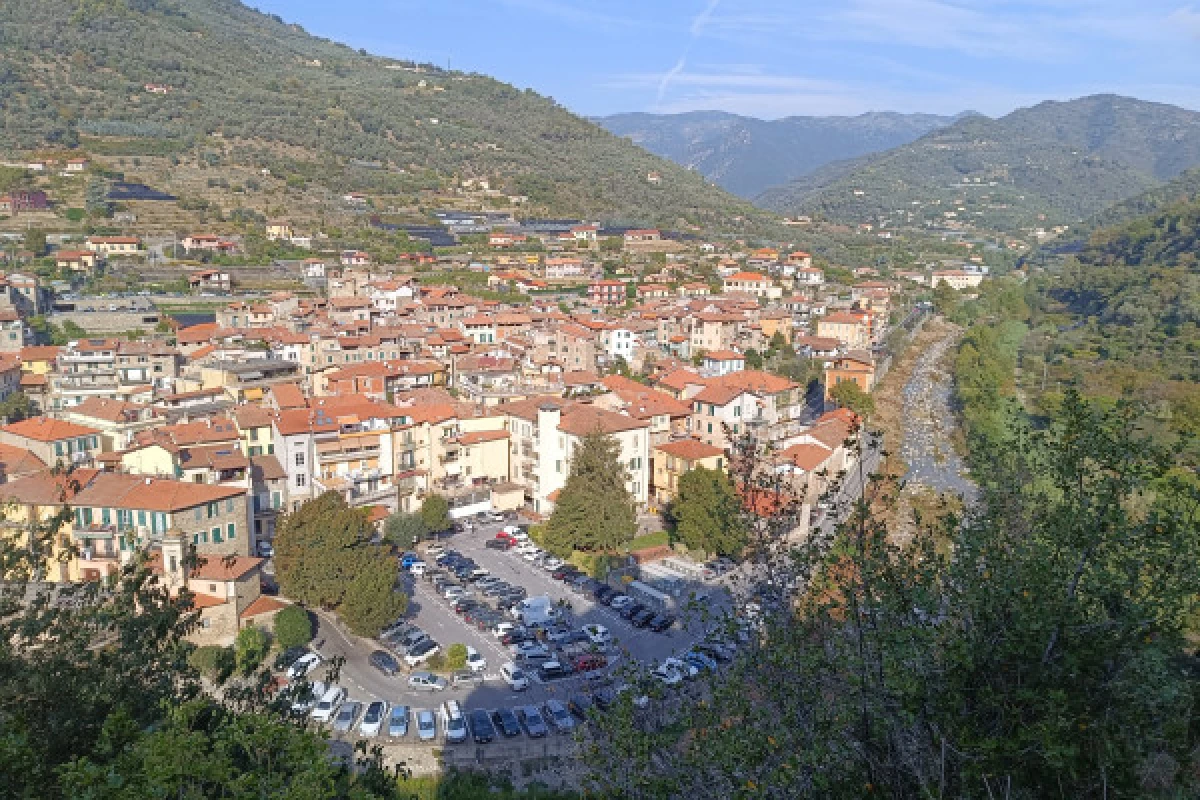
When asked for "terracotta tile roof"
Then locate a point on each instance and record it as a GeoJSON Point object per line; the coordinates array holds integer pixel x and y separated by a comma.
{"type": "Point", "coordinates": [690, 449]}
{"type": "Point", "coordinates": [105, 409]}
{"type": "Point", "coordinates": [203, 601]}
{"type": "Point", "coordinates": [44, 429]}
{"type": "Point", "coordinates": [40, 352]}
{"type": "Point", "coordinates": [16, 462]}
{"type": "Point", "coordinates": [581, 420]}
{"type": "Point", "coordinates": [263, 604]}
{"type": "Point", "coordinates": [807, 456]}
{"type": "Point", "coordinates": [477, 437]}
{"type": "Point", "coordinates": [747, 276]}
{"type": "Point", "coordinates": [267, 468]}
{"type": "Point", "coordinates": [287, 395]}
{"type": "Point", "coordinates": [724, 355]}
{"type": "Point", "coordinates": [229, 568]}
{"type": "Point", "coordinates": [680, 378]}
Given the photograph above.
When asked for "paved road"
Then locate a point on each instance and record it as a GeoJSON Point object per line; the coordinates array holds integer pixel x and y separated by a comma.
{"type": "Point", "coordinates": [434, 615]}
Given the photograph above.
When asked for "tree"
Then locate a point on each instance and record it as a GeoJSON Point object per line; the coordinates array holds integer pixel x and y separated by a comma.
{"type": "Point", "coordinates": [456, 656]}
{"type": "Point", "coordinates": [594, 511]}
{"type": "Point", "coordinates": [250, 648]}
{"type": "Point", "coordinates": [213, 661]}
{"type": "Point", "coordinates": [945, 299]}
{"type": "Point", "coordinates": [705, 513]}
{"type": "Point", "coordinates": [754, 359]}
{"type": "Point", "coordinates": [293, 627]}
{"type": "Point", "coordinates": [779, 342]}
{"type": "Point", "coordinates": [35, 241]}
{"type": "Point", "coordinates": [404, 529]}
{"type": "Point", "coordinates": [1023, 650]}
{"type": "Point", "coordinates": [435, 513]}
{"type": "Point", "coordinates": [372, 600]}
{"type": "Point", "coordinates": [848, 394]}
{"type": "Point", "coordinates": [320, 548]}
{"type": "Point", "coordinates": [16, 407]}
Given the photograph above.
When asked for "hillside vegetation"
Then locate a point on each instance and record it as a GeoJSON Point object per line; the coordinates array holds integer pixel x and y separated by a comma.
{"type": "Point", "coordinates": [747, 156]}
{"type": "Point", "coordinates": [73, 73]}
{"type": "Point", "coordinates": [1054, 163]}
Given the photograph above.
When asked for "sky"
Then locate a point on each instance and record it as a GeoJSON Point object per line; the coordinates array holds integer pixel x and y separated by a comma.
{"type": "Point", "coordinates": [777, 58]}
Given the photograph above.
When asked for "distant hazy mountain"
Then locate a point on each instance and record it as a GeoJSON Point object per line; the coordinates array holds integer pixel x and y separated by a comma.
{"type": "Point", "coordinates": [748, 156]}
{"type": "Point", "coordinates": [1054, 162]}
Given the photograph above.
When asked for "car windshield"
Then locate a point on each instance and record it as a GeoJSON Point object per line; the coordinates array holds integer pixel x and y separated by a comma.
{"type": "Point", "coordinates": [426, 723]}
{"type": "Point", "coordinates": [456, 724]}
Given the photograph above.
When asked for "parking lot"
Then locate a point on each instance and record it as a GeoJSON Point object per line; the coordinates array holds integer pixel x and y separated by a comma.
{"type": "Point", "coordinates": [434, 615]}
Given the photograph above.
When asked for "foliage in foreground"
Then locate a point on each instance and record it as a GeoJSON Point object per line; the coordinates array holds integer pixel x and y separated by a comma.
{"type": "Point", "coordinates": [1042, 655]}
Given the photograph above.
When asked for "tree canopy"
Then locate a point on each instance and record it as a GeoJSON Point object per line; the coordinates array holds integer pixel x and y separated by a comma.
{"type": "Point", "coordinates": [706, 515]}
{"type": "Point", "coordinates": [594, 511]}
{"type": "Point", "coordinates": [435, 513]}
{"type": "Point", "coordinates": [849, 394]}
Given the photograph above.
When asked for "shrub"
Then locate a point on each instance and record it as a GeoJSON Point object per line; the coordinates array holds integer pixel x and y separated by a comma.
{"type": "Point", "coordinates": [213, 662]}
{"type": "Point", "coordinates": [456, 656]}
{"type": "Point", "coordinates": [250, 648]}
{"type": "Point", "coordinates": [436, 663]}
{"type": "Point", "coordinates": [293, 627]}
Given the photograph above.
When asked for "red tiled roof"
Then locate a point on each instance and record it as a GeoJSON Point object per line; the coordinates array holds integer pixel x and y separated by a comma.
{"type": "Point", "coordinates": [263, 604]}
{"type": "Point", "coordinates": [230, 568]}
{"type": "Point", "coordinates": [44, 429]}
{"type": "Point", "coordinates": [690, 449]}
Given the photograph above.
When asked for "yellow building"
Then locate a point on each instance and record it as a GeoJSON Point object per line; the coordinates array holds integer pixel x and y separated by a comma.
{"type": "Point", "coordinates": [673, 459]}
{"type": "Point", "coordinates": [39, 359]}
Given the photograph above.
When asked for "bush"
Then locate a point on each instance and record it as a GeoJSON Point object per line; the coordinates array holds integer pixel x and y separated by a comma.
{"type": "Point", "coordinates": [456, 656]}
{"type": "Point", "coordinates": [594, 564]}
{"type": "Point", "coordinates": [213, 662]}
{"type": "Point", "coordinates": [250, 648]}
{"type": "Point", "coordinates": [293, 627]}
{"type": "Point", "coordinates": [436, 663]}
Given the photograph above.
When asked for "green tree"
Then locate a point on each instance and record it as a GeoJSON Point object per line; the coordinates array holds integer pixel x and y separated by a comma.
{"type": "Point", "coordinates": [250, 648]}
{"type": "Point", "coordinates": [705, 514]}
{"type": "Point", "coordinates": [404, 529]}
{"type": "Point", "coordinates": [293, 627]}
{"type": "Point", "coordinates": [372, 600]}
{"type": "Point", "coordinates": [594, 511]}
{"type": "Point", "coordinates": [779, 342]}
{"type": "Point", "coordinates": [16, 407]}
{"type": "Point", "coordinates": [35, 241]}
{"type": "Point", "coordinates": [456, 656]}
{"type": "Point", "coordinates": [213, 661]}
{"type": "Point", "coordinates": [435, 513]}
{"type": "Point", "coordinates": [945, 299]}
{"type": "Point", "coordinates": [754, 359]}
{"type": "Point", "coordinates": [320, 548]}
{"type": "Point", "coordinates": [848, 394]}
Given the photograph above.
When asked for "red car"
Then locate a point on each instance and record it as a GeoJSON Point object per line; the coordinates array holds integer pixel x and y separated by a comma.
{"type": "Point", "coordinates": [589, 662]}
{"type": "Point", "coordinates": [508, 537]}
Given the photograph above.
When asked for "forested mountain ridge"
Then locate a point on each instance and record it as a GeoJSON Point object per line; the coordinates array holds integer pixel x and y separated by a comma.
{"type": "Point", "coordinates": [747, 156]}
{"type": "Point", "coordinates": [170, 74]}
{"type": "Point", "coordinates": [1054, 163]}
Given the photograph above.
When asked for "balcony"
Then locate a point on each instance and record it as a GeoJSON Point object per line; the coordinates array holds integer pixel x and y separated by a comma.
{"type": "Point", "coordinates": [328, 452]}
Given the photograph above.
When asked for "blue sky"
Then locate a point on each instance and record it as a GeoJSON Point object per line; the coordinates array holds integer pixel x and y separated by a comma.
{"type": "Point", "coordinates": [774, 58]}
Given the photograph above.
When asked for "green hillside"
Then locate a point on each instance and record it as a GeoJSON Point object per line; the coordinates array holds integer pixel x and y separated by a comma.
{"type": "Point", "coordinates": [1055, 163]}
{"type": "Point", "coordinates": [73, 74]}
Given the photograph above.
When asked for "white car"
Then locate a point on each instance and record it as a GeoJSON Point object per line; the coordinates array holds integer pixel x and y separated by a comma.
{"type": "Point", "coordinates": [503, 628]}
{"type": "Point", "coordinates": [475, 662]}
{"type": "Point", "coordinates": [426, 725]}
{"type": "Point", "coordinates": [529, 650]}
{"type": "Point", "coordinates": [372, 720]}
{"type": "Point", "coordinates": [426, 681]}
{"type": "Point", "coordinates": [422, 652]}
{"type": "Point", "coordinates": [418, 568]}
{"type": "Point", "coordinates": [552, 563]}
{"type": "Point", "coordinates": [327, 706]}
{"type": "Point", "coordinates": [514, 676]}
{"type": "Point", "coordinates": [454, 592]}
{"type": "Point", "coordinates": [307, 699]}
{"type": "Point", "coordinates": [533, 555]}
{"type": "Point", "coordinates": [597, 634]}
{"type": "Point", "coordinates": [513, 530]}
{"type": "Point", "coordinates": [304, 665]}
{"type": "Point", "coordinates": [621, 601]}
{"type": "Point", "coordinates": [527, 546]}
{"type": "Point", "coordinates": [434, 550]}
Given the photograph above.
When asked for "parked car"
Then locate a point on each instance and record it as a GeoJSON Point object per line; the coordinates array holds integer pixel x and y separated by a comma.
{"type": "Point", "coordinates": [303, 666]}
{"type": "Point", "coordinates": [558, 715]}
{"type": "Point", "coordinates": [502, 628]}
{"type": "Point", "coordinates": [662, 622]}
{"type": "Point", "coordinates": [408, 559]}
{"type": "Point", "coordinates": [618, 601]}
{"type": "Point", "coordinates": [598, 634]}
{"type": "Point", "coordinates": [481, 726]}
{"type": "Point", "coordinates": [383, 661]}
{"type": "Point", "coordinates": [642, 617]}
{"type": "Point", "coordinates": [412, 639]}
{"type": "Point", "coordinates": [327, 706]}
{"type": "Point", "coordinates": [553, 670]}
{"type": "Point", "coordinates": [529, 650]}
{"type": "Point", "coordinates": [421, 652]}
{"type": "Point", "coordinates": [475, 661]}
{"type": "Point", "coordinates": [602, 592]}
{"type": "Point", "coordinates": [589, 662]}
{"type": "Point", "coordinates": [514, 676]}
{"type": "Point", "coordinates": [307, 695]}
{"type": "Point", "coordinates": [579, 704]}
{"type": "Point", "coordinates": [558, 634]}
{"type": "Point", "coordinates": [398, 721]}
{"type": "Point", "coordinates": [533, 722]}
{"type": "Point", "coordinates": [700, 660]}
{"type": "Point", "coordinates": [265, 550]}
{"type": "Point", "coordinates": [552, 563]}
{"type": "Point", "coordinates": [372, 720]}
{"type": "Point", "coordinates": [426, 725]}
{"type": "Point", "coordinates": [454, 722]}
{"type": "Point", "coordinates": [512, 531]}
{"type": "Point", "coordinates": [426, 681]}
{"type": "Point", "coordinates": [344, 721]}
{"type": "Point", "coordinates": [506, 722]}
{"type": "Point", "coordinates": [629, 609]}
{"type": "Point", "coordinates": [564, 572]}
{"type": "Point", "coordinates": [464, 677]}
{"type": "Point", "coordinates": [516, 636]}
{"type": "Point", "coordinates": [497, 544]}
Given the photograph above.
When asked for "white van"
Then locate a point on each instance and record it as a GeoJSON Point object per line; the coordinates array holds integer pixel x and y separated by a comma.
{"type": "Point", "coordinates": [327, 706]}
{"type": "Point", "coordinates": [417, 568]}
{"type": "Point", "coordinates": [454, 722]}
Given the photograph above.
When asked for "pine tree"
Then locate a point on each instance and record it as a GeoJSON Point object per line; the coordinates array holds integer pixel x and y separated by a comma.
{"type": "Point", "coordinates": [594, 511]}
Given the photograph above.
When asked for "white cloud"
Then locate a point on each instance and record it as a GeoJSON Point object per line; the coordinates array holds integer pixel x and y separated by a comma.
{"type": "Point", "coordinates": [701, 19]}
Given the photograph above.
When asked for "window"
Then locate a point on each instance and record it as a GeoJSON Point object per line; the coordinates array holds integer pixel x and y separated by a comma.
{"type": "Point", "coordinates": [558, 467]}
{"type": "Point", "coordinates": [710, 427]}
{"type": "Point", "coordinates": [275, 500]}
{"type": "Point", "coordinates": [216, 535]}
{"type": "Point", "coordinates": [199, 513]}
{"type": "Point", "coordinates": [254, 434]}
{"type": "Point", "coordinates": [299, 459]}
{"type": "Point", "coordinates": [141, 518]}
{"type": "Point", "coordinates": [229, 506]}
{"type": "Point", "coordinates": [213, 510]}
{"type": "Point", "coordinates": [300, 479]}
{"type": "Point", "coordinates": [737, 411]}
{"type": "Point", "coordinates": [231, 531]}
{"type": "Point", "coordinates": [58, 448]}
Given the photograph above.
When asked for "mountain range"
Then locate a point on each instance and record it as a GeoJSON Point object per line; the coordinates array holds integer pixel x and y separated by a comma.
{"type": "Point", "coordinates": [747, 156]}
{"type": "Point", "coordinates": [168, 77]}
{"type": "Point", "coordinates": [1056, 162]}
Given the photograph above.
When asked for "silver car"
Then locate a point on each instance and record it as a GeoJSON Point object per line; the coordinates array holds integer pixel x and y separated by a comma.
{"type": "Point", "coordinates": [346, 715]}
{"type": "Point", "coordinates": [398, 721]}
{"type": "Point", "coordinates": [426, 725]}
{"type": "Point", "coordinates": [559, 716]}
